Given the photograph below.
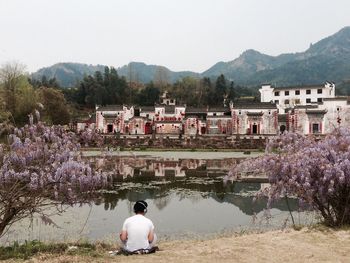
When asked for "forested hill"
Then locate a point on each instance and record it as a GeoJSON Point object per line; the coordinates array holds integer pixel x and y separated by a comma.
{"type": "Point", "coordinates": [328, 59]}
{"type": "Point", "coordinates": [68, 74]}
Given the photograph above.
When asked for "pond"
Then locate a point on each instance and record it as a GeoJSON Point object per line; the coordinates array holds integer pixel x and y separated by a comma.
{"type": "Point", "coordinates": [185, 192]}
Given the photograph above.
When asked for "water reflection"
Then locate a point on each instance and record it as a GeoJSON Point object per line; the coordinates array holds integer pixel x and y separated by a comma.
{"type": "Point", "coordinates": [238, 194]}
{"type": "Point", "coordinates": [154, 177]}
{"type": "Point", "coordinates": [147, 167]}
{"type": "Point", "coordinates": [186, 197]}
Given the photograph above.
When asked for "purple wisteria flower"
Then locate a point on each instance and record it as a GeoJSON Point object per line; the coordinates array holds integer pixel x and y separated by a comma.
{"type": "Point", "coordinates": [317, 172]}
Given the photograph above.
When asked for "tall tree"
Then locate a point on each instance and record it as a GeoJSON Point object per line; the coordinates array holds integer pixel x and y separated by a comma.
{"type": "Point", "coordinates": [55, 106]}
{"type": "Point", "coordinates": [10, 76]}
{"type": "Point", "coordinates": [149, 95]}
{"type": "Point", "coordinates": [220, 90]}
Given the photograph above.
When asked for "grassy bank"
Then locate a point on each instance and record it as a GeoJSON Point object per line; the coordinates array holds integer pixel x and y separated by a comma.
{"type": "Point", "coordinates": [33, 248]}
{"type": "Point", "coordinates": [307, 245]}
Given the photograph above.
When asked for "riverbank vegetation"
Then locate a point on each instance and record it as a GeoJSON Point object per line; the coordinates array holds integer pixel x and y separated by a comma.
{"type": "Point", "coordinates": [32, 248]}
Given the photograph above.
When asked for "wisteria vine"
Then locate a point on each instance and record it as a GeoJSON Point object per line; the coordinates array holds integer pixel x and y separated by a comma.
{"type": "Point", "coordinates": [41, 167]}
{"type": "Point", "coordinates": [317, 172]}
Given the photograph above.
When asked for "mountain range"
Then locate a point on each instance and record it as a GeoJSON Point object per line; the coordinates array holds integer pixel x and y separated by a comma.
{"type": "Point", "coordinates": [328, 59]}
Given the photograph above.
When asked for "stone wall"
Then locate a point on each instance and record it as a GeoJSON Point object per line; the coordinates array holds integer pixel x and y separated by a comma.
{"type": "Point", "coordinates": [187, 143]}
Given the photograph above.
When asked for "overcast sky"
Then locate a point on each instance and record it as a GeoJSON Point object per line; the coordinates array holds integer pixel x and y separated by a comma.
{"type": "Point", "coordinates": [179, 34]}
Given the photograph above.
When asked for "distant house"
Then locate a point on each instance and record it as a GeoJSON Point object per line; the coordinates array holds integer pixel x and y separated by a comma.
{"type": "Point", "coordinates": [148, 112]}
{"type": "Point", "coordinates": [219, 121]}
{"type": "Point", "coordinates": [168, 119]}
{"type": "Point", "coordinates": [288, 97]}
{"type": "Point", "coordinates": [137, 125]}
{"type": "Point", "coordinates": [113, 118]}
{"type": "Point", "coordinates": [195, 121]}
{"type": "Point", "coordinates": [253, 118]}
{"type": "Point", "coordinates": [311, 109]}
{"type": "Point", "coordinates": [89, 123]}
{"type": "Point", "coordinates": [167, 100]}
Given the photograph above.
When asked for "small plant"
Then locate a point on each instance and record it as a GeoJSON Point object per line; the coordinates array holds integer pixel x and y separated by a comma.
{"type": "Point", "coordinates": [29, 249]}
{"type": "Point", "coordinates": [143, 148]}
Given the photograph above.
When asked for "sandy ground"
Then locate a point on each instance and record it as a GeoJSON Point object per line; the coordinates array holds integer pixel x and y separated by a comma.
{"type": "Point", "coordinates": [275, 246]}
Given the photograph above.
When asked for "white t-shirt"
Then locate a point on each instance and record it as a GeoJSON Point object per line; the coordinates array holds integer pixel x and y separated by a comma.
{"type": "Point", "coordinates": [138, 227]}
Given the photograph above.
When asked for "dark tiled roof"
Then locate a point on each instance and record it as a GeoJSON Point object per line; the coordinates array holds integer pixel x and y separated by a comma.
{"type": "Point", "coordinates": [196, 110]}
{"type": "Point", "coordinates": [110, 115]}
{"type": "Point", "coordinates": [110, 108]}
{"type": "Point", "coordinates": [314, 106]}
{"type": "Point", "coordinates": [336, 98]}
{"type": "Point", "coordinates": [219, 117]}
{"type": "Point", "coordinates": [147, 108]}
{"type": "Point", "coordinates": [91, 119]}
{"type": "Point", "coordinates": [191, 116]}
{"type": "Point", "coordinates": [316, 111]}
{"type": "Point", "coordinates": [219, 109]}
{"type": "Point", "coordinates": [255, 105]}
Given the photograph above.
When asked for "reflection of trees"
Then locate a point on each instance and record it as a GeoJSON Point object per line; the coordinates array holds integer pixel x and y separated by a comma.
{"type": "Point", "coordinates": [161, 201]}
{"type": "Point", "coordinates": [250, 207]}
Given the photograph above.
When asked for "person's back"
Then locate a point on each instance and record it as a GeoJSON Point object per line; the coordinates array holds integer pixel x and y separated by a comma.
{"type": "Point", "coordinates": [138, 228]}
{"type": "Point", "coordinates": [138, 231]}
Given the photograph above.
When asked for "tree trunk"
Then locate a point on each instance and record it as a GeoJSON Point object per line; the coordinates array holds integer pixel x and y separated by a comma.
{"type": "Point", "coordinates": [6, 220]}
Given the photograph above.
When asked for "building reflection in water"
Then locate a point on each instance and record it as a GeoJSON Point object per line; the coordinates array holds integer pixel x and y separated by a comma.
{"type": "Point", "coordinates": [159, 179]}
{"type": "Point", "coordinates": [128, 167]}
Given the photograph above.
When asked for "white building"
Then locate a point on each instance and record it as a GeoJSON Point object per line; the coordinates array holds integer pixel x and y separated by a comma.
{"type": "Point", "coordinates": [254, 118]}
{"type": "Point", "coordinates": [112, 118]}
{"type": "Point", "coordinates": [289, 97]}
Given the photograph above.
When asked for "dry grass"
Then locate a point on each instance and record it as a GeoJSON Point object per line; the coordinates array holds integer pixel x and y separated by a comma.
{"type": "Point", "coordinates": [306, 245]}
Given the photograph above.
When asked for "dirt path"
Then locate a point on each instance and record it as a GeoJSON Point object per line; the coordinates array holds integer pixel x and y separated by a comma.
{"type": "Point", "coordinates": [276, 246]}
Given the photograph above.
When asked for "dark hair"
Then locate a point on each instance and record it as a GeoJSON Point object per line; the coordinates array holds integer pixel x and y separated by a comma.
{"type": "Point", "coordinates": [140, 207]}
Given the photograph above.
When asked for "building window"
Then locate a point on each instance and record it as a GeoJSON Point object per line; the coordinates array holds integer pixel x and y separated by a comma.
{"type": "Point", "coordinates": [297, 101]}
{"type": "Point", "coordinates": [319, 91]}
{"type": "Point", "coordinates": [286, 102]}
{"type": "Point", "coordinates": [277, 101]}
{"type": "Point", "coordinates": [214, 114]}
{"type": "Point", "coordinates": [239, 112]}
{"type": "Point", "coordinates": [319, 99]}
{"type": "Point", "coordinates": [308, 91]}
{"type": "Point", "coordinates": [297, 92]}
{"type": "Point", "coordinates": [286, 93]}
{"type": "Point", "coordinates": [269, 112]}
{"type": "Point", "coordinates": [315, 128]}
{"type": "Point", "coordinates": [308, 100]}
{"type": "Point", "coordinates": [277, 93]}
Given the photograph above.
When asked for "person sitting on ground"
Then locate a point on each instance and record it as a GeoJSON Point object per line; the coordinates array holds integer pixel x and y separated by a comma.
{"type": "Point", "coordinates": [138, 231]}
